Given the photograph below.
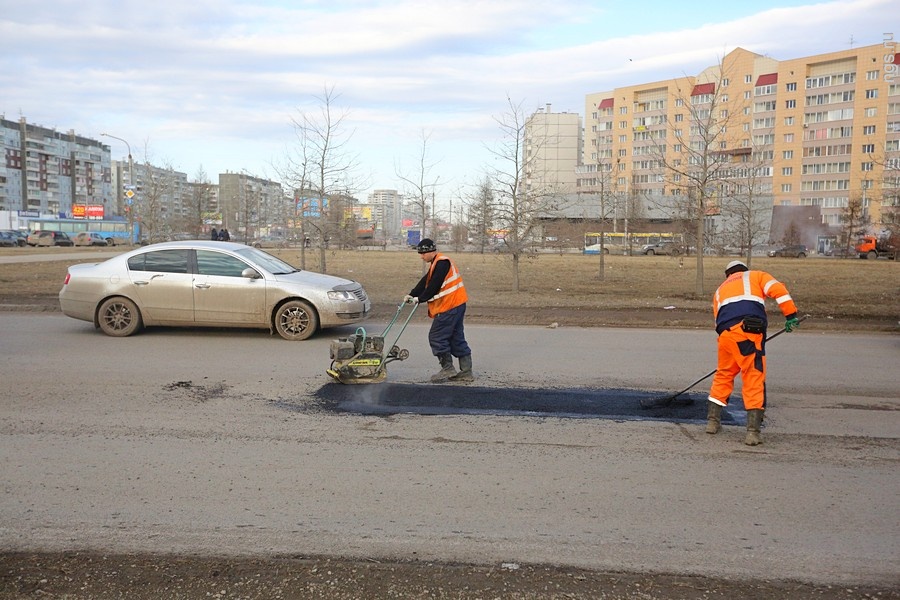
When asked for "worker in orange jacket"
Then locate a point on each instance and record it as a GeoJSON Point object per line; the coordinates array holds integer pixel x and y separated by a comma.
{"type": "Point", "coordinates": [443, 290]}
{"type": "Point", "coordinates": [739, 306]}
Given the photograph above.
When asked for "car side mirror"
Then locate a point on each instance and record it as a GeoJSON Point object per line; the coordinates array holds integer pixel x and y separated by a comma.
{"type": "Point", "coordinates": [250, 273]}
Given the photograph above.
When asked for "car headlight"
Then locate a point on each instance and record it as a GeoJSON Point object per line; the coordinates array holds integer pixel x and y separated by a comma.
{"type": "Point", "coordinates": [341, 296]}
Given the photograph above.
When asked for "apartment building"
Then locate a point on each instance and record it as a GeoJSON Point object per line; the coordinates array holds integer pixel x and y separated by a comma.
{"type": "Point", "coordinates": [387, 211]}
{"type": "Point", "coordinates": [250, 206]}
{"type": "Point", "coordinates": [553, 150]}
{"type": "Point", "coordinates": [45, 171]}
{"type": "Point", "coordinates": [816, 132]}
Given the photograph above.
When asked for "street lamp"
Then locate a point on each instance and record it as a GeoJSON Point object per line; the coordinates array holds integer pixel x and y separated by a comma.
{"type": "Point", "coordinates": [130, 185]}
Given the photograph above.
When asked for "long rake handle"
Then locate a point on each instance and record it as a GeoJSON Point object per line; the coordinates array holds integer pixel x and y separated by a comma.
{"type": "Point", "coordinates": [713, 372]}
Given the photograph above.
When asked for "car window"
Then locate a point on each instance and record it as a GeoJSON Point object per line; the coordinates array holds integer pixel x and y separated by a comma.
{"type": "Point", "coordinates": [217, 263]}
{"type": "Point", "coordinates": [161, 261]}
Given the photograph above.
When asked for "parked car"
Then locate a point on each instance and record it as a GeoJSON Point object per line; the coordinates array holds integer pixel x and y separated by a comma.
{"type": "Point", "coordinates": [670, 248]}
{"type": "Point", "coordinates": [270, 241]}
{"type": "Point", "coordinates": [8, 240]}
{"type": "Point", "coordinates": [20, 236]}
{"type": "Point", "coordinates": [209, 284]}
{"type": "Point", "coordinates": [49, 238]}
{"type": "Point", "coordinates": [89, 238]}
{"type": "Point", "coordinates": [795, 251]}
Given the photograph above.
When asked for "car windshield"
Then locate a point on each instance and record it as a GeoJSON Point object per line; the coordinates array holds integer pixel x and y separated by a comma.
{"type": "Point", "coordinates": [273, 265]}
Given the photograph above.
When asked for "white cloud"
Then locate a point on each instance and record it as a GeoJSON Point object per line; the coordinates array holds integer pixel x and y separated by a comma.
{"type": "Point", "coordinates": [216, 82]}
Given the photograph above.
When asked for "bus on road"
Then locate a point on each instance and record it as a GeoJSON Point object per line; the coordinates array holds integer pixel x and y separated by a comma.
{"type": "Point", "coordinates": [620, 243]}
{"type": "Point", "coordinates": [115, 231]}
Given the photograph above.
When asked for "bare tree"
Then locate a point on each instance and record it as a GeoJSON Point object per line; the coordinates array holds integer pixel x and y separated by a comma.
{"type": "Point", "coordinates": [854, 221]}
{"type": "Point", "coordinates": [523, 193]}
{"type": "Point", "coordinates": [421, 185]}
{"type": "Point", "coordinates": [326, 167]}
{"type": "Point", "coordinates": [156, 186]}
{"type": "Point", "coordinates": [888, 162]}
{"type": "Point", "coordinates": [696, 164]}
{"type": "Point", "coordinates": [481, 214]}
{"type": "Point", "coordinates": [745, 203]}
{"type": "Point", "coordinates": [199, 209]}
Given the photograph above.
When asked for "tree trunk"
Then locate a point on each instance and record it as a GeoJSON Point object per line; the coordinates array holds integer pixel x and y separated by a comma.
{"type": "Point", "coordinates": [700, 241]}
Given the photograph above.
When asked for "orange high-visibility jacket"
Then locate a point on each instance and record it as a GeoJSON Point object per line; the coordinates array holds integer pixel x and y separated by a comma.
{"type": "Point", "coordinates": [452, 292]}
{"type": "Point", "coordinates": [744, 294]}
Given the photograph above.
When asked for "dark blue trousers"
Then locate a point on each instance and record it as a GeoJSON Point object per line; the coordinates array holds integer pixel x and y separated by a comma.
{"type": "Point", "coordinates": [447, 335]}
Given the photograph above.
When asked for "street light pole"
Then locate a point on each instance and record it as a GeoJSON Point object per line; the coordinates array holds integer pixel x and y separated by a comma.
{"type": "Point", "coordinates": [130, 184]}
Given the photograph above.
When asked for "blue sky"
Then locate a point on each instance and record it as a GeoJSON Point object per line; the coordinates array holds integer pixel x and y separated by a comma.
{"type": "Point", "coordinates": [214, 84]}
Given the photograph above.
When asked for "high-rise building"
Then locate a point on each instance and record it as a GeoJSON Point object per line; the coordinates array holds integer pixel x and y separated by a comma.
{"type": "Point", "coordinates": [387, 210]}
{"type": "Point", "coordinates": [252, 206]}
{"type": "Point", "coordinates": [553, 150]}
{"type": "Point", "coordinates": [45, 171]}
{"type": "Point", "coordinates": [820, 131]}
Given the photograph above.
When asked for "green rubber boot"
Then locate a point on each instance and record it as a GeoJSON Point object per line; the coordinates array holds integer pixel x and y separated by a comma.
{"type": "Point", "coordinates": [447, 371]}
{"type": "Point", "coordinates": [713, 418]}
{"type": "Point", "coordinates": [754, 423]}
{"type": "Point", "coordinates": [465, 369]}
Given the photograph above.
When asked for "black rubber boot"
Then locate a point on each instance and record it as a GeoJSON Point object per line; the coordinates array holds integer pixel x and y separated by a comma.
{"type": "Point", "coordinates": [465, 369]}
{"type": "Point", "coordinates": [447, 371]}
{"type": "Point", "coordinates": [754, 423]}
{"type": "Point", "coordinates": [713, 418]}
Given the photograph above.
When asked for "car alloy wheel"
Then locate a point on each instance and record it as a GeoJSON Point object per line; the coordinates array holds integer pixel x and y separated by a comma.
{"type": "Point", "coordinates": [296, 320]}
{"type": "Point", "coordinates": [119, 317]}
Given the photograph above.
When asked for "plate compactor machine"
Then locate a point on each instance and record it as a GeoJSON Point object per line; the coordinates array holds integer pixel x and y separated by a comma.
{"type": "Point", "coordinates": [362, 358]}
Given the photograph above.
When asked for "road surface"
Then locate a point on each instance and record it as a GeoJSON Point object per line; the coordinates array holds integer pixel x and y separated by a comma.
{"type": "Point", "coordinates": [214, 442]}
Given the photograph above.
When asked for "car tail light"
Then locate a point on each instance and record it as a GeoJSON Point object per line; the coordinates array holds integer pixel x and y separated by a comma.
{"type": "Point", "coordinates": [68, 276]}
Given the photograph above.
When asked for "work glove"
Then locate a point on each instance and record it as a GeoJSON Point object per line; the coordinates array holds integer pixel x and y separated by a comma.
{"type": "Point", "coordinates": [791, 324]}
{"type": "Point", "coordinates": [407, 299]}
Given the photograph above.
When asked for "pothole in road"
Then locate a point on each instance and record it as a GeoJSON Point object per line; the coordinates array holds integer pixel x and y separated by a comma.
{"type": "Point", "coordinates": [622, 404]}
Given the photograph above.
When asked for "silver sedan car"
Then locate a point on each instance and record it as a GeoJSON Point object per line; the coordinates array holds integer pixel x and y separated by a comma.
{"type": "Point", "coordinates": [208, 284]}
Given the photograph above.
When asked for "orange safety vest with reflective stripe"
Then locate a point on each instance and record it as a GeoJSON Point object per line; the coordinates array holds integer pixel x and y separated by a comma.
{"type": "Point", "coordinates": [744, 294]}
{"type": "Point", "coordinates": [452, 292]}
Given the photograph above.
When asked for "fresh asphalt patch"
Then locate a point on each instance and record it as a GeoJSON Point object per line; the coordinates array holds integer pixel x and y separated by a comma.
{"type": "Point", "coordinates": [580, 403]}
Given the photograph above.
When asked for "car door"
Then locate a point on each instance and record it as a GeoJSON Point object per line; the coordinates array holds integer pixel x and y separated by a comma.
{"type": "Point", "coordinates": [223, 296]}
{"type": "Point", "coordinates": [162, 283]}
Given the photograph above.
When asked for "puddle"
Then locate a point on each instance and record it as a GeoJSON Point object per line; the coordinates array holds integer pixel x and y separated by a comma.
{"type": "Point", "coordinates": [576, 403]}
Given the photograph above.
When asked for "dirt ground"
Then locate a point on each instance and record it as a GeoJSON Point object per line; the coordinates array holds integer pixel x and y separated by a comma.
{"type": "Point", "coordinates": [147, 577]}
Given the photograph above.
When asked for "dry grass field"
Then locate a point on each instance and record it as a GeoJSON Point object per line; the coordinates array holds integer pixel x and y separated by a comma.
{"type": "Point", "coordinates": [849, 294]}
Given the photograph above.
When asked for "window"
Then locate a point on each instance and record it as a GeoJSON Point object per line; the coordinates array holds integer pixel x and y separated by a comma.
{"type": "Point", "coordinates": [747, 95]}
{"type": "Point", "coordinates": [871, 111]}
{"type": "Point", "coordinates": [679, 102]}
{"type": "Point", "coordinates": [216, 263]}
{"type": "Point", "coordinates": [748, 78]}
{"type": "Point", "coordinates": [787, 171]}
{"type": "Point", "coordinates": [868, 148]}
{"type": "Point", "coordinates": [873, 93]}
{"type": "Point", "coordinates": [160, 261]}
{"type": "Point", "coordinates": [789, 120]}
{"type": "Point", "coordinates": [867, 166]}
{"type": "Point", "coordinates": [623, 110]}
{"type": "Point", "coordinates": [679, 118]}
{"type": "Point", "coordinates": [787, 154]}
{"type": "Point", "coordinates": [725, 82]}
{"type": "Point", "coordinates": [791, 87]}
{"type": "Point", "coordinates": [872, 75]}
{"type": "Point", "coordinates": [868, 129]}
{"type": "Point", "coordinates": [790, 104]}
{"type": "Point", "coordinates": [786, 187]}
{"type": "Point", "coordinates": [788, 137]}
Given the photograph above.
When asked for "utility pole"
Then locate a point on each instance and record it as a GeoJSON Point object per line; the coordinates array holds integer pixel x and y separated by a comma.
{"type": "Point", "coordinates": [129, 194]}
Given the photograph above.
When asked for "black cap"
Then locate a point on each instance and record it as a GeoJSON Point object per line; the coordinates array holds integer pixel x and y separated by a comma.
{"type": "Point", "coordinates": [426, 245]}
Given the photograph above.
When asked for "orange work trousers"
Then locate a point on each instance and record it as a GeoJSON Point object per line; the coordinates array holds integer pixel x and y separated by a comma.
{"type": "Point", "coordinates": [744, 353]}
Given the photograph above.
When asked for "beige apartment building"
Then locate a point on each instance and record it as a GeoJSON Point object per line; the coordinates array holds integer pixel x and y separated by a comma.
{"type": "Point", "coordinates": [811, 132]}
{"type": "Point", "coordinates": [553, 150]}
